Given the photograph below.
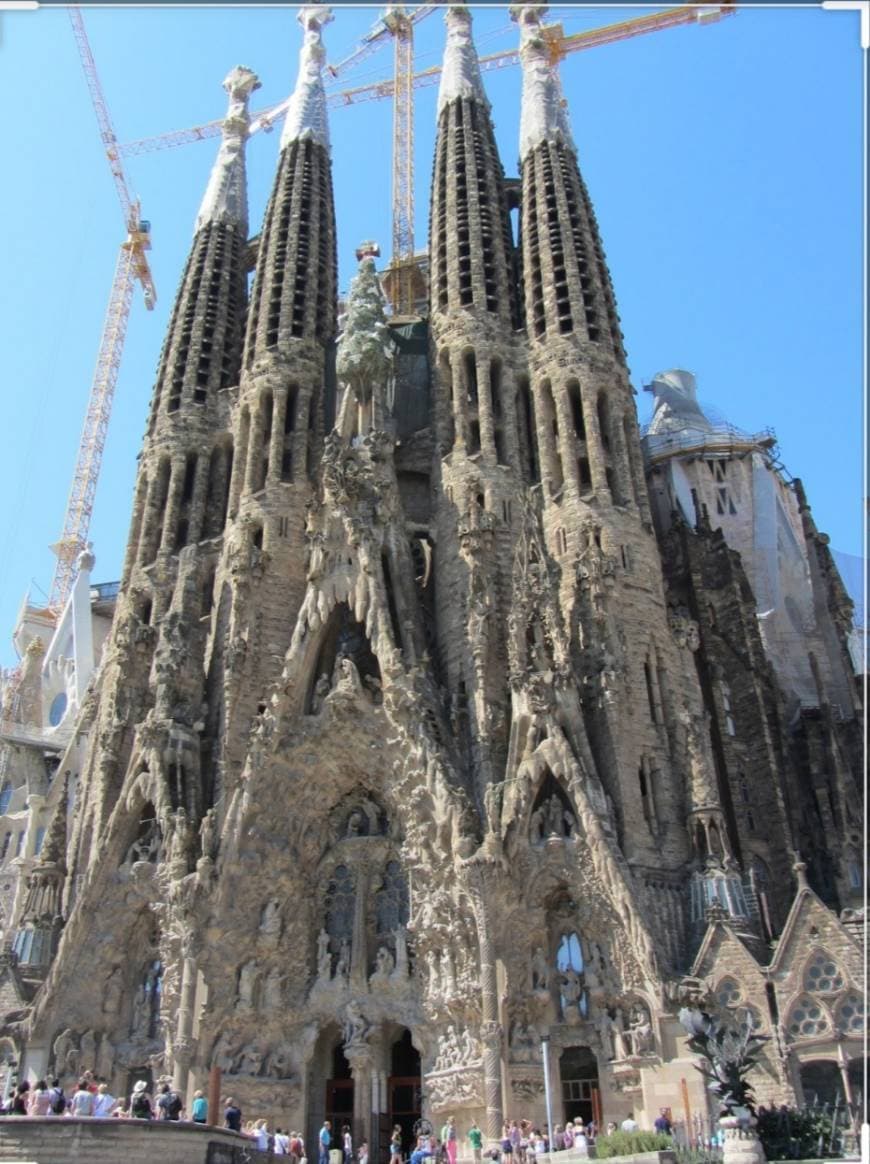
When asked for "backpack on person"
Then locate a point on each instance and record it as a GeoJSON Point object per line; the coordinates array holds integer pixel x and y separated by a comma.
{"type": "Point", "coordinates": [174, 1106]}
{"type": "Point", "coordinates": [140, 1106]}
{"type": "Point", "coordinates": [58, 1102]}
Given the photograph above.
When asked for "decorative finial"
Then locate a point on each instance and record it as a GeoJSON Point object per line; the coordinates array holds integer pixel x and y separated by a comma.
{"type": "Point", "coordinates": [460, 73]}
{"type": "Point", "coordinates": [543, 116]}
{"type": "Point", "coordinates": [367, 250]}
{"type": "Point", "coordinates": [306, 114]}
{"type": "Point", "coordinates": [799, 868]}
{"type": "Point", "coordinates": [225, 197]}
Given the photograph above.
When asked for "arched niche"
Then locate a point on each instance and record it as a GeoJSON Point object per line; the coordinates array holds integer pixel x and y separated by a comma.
{"type": "Point", "coordinates": [552, 812]}
{"type": "Point", "coordinates": [343, 637]}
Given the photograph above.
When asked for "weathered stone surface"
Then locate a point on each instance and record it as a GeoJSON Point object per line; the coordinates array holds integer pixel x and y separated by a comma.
{"type": "Point", "coordinates": [407, 754]}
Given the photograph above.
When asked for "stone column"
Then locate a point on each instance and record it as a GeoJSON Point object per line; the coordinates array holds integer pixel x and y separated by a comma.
{"type": "Point", "coordinates": [182, 1045]}
{"type": "Point", "coordinates": [359, 1056]}
{"type": "Point", "coordinates": [490, 1028]}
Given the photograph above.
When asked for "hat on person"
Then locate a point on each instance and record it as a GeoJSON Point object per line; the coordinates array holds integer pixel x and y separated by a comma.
{"type": "Point", "coordinates": [139, 1085]}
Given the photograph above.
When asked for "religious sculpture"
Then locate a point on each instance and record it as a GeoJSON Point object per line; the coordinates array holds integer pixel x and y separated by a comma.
{"type": "Point", "coordinates": [270, 921]}
{"type": "Point", "coordinates": [356, 1027]}
{"type": "Point", "coordinates": [324, 958]}
{"type": "Point", "coordinates": [247, 985]}
{"type": "Point", "coordinates": [540, 971]}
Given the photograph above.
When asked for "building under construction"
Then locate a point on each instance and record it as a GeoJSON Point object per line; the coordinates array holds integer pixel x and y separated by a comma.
{"type": "Point", "coordinates": [444, 716]}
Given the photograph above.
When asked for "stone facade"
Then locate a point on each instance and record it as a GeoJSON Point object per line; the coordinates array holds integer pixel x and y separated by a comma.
{"type": "Point", "coordinates": [410, 745]}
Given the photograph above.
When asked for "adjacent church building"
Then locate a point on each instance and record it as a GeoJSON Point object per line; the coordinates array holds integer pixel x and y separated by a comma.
{"type": "Point", "coordinates": [446, 721]}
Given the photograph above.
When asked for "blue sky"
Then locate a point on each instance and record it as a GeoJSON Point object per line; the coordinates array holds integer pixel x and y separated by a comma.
{"type": "Point", "coordinates": [724, 162]}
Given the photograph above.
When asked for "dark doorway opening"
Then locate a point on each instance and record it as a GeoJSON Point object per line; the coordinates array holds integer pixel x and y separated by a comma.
{"type": "Point", "coordinates": [578, 1071]}
{"type": "Point", "coordinates": [404, 1093]}
{"type": "Point", "coordinates": [339, 1095]}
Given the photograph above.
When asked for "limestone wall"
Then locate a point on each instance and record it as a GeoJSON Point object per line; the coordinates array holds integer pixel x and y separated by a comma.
{"type": "Point", "coordinates": [57, 1141]}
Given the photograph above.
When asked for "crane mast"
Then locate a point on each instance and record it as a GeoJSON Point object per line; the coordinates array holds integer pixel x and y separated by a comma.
{"type": "Point", "coordinates": [132, 266]}
{"type": "Point", "coordinates": [402, 284]}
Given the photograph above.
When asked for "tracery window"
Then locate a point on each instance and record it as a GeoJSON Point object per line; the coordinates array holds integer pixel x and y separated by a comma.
{"type": "Point", "coordinates": [569, 963]}
{"type": "Point", "coordinates": [808, 1019]}
{"type": "Point", "coordinates": [391, 901]}
{"type": "Point", "coordinates": [822, 975]}
{"type": "Point", "coordinates": [5, 797]}
{"type": "Point", "coordinates": [728, 992]}
{"type": "Point", "coordinates": [340, 906]}
{"type": "Point", "coordinates": [850, 1014]}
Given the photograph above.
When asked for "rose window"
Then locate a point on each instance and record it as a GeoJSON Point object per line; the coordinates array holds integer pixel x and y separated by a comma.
{"type": "Point", "coordinates": [808, 1020]}
{"type": "Point", "coordinates": [822, 975]}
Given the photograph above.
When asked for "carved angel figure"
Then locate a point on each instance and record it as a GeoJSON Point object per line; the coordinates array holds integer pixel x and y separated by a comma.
{"type": "Point", "coordinates": [356, 1026]}
{"type": "Point", "coordinates": [540, 970]}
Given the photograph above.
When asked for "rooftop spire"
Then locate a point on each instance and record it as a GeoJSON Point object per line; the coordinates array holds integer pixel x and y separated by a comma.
{"type": "Point", "coordinates": [226, 197]}
{"type": "Point", "coordinates": [543, 117]}
{"type": "Point", "coordinates": [460, 73]}
{"type": "Point", "coordinates": [306, 113]}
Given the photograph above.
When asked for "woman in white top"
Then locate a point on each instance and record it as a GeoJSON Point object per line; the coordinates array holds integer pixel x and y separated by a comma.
{"type": "Point", "coordinates": [82, 1103]}
{"type": "Point", "coordinates": [261, 1135]}
{"type": "Point", "coordinates": [104, 1104]}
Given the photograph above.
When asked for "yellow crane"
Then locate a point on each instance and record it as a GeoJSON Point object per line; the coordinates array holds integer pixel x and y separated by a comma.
{"type": "Point", "coordinates": [132, 266]}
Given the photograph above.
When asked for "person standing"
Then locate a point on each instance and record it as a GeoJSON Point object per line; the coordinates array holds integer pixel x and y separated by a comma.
{"type": "Point", "coordinates": [629, 1124]}
{"type": "Point", "coordinates": [199, 1108]}
{"type": "Point", "coordinates": [396, 1145]}
{"type": "Point", "coordinates": [475, 1139]}
{"type": "Point", "coordinates": [104, 1104]}
{"type": "Point", "coordinates": [346, 1144]}
{"type": "Point", "coordinates": [663, 1122]}
{"type": "Point", "coordinates": [232, 1115]}
{"type": "Point", "coordinates": [83, 1101]}
{"type": "Point", "coordinates": [140, 1101]}
{"type": "Point", "coordinates": [169, 1103]}
{"type": "Point", "coordinates": [40, 1100]}
{"type": "Point", "coordinates": [449, 1139]}
{"type": "Point", "coordinates": [324, 1142]}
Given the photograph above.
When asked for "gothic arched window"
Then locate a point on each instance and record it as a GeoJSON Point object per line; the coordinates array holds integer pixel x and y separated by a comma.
{"type": "Point", "coordinates": [391, 902]}
{"type": "Point", "coordinates": [340, 906]}
{"type": "Point", "coordinates": [822, 974]}
{"type": "Point", "coordinates": [570, 964]}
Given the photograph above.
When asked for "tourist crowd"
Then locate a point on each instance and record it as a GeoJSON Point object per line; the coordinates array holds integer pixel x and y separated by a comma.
{"type": "Point", "coordinates": [521, 1141]}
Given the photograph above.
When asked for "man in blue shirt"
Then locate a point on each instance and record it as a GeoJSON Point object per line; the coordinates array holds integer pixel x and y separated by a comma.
{"type": "Point", "coordinates": [325, 1139]}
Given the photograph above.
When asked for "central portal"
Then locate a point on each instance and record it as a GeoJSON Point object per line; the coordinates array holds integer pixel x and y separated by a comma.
{"type": "Point", "coordinates": [339, 1095]}
{"type": "Point", "coordinates": [578, 1070]}
{"type": "Point", "coordinates": [404, 1095]}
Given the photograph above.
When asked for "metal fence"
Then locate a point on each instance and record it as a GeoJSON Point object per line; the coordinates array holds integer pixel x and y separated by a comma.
{"type": "Point", "coordinates": [815, 1131]}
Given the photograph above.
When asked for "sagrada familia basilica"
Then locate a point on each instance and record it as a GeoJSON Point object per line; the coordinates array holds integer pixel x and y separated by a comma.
{"type": "Point", "coordinates": [445, 723]}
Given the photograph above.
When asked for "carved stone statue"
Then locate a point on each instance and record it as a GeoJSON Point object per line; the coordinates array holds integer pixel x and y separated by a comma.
{"type": "Point", "coordinates": [347, 676]}
{"type": "Point", "coordinates": [342, 966]}
{"type": "Point", "coordinates": [208, 833]}
{"type": "Point", "coordinates": [324, 958]}
{"type": "Point", "coordinates": [63, 1045]}
{"type": "Point", "coordinates": [270, 921]}
{"type": "Point", "coordinates": [640, 1032]}
{"type": "Point", "coordinates": [112, 991]}
{"type": "Point", "coordinates": [272, 990]}
{"type": "Point", "coordinates": [540, 970]}
{"type": "Point", "coordinates": [384, 964]}
{"type": "Point", "coordinates": [247, 985]}
{"type": "Point", "coordinates": [536, 826]}
{"type": "Point", "coordinates": [88, 1051]}
{"type": "Point", "coordinates": [356, 1027]}
{"type": "Point", "coordinates": [250, 1060]}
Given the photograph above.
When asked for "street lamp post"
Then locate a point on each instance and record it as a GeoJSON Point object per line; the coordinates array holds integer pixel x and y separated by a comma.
{"type": "Point", "coordinates": [545, 1055]}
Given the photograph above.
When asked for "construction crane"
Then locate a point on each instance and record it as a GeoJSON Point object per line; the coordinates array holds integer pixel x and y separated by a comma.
{"type": "Point", "coordinates": [400, 87]}
{"type": "Point", "coordinates": [132, 266]}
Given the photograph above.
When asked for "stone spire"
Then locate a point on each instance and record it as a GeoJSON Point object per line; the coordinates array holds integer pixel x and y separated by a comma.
{"type": "Point", "coordinates": [226, 197]}
{"type": "Point", "coordinates": [460, 71]}
{"type": "Point", "coordinates": [543, 116]}
{"type": "Point", "coordinates": [306, 115]}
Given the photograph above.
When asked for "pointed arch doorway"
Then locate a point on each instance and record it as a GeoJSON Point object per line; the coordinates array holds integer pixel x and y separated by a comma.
{"type": "Point", "coordinates": [404, 1099]}
{"type": "Point", "coordinates": [339, 1094]}
{"type": "Point", "coordinates": [581, 1096]}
